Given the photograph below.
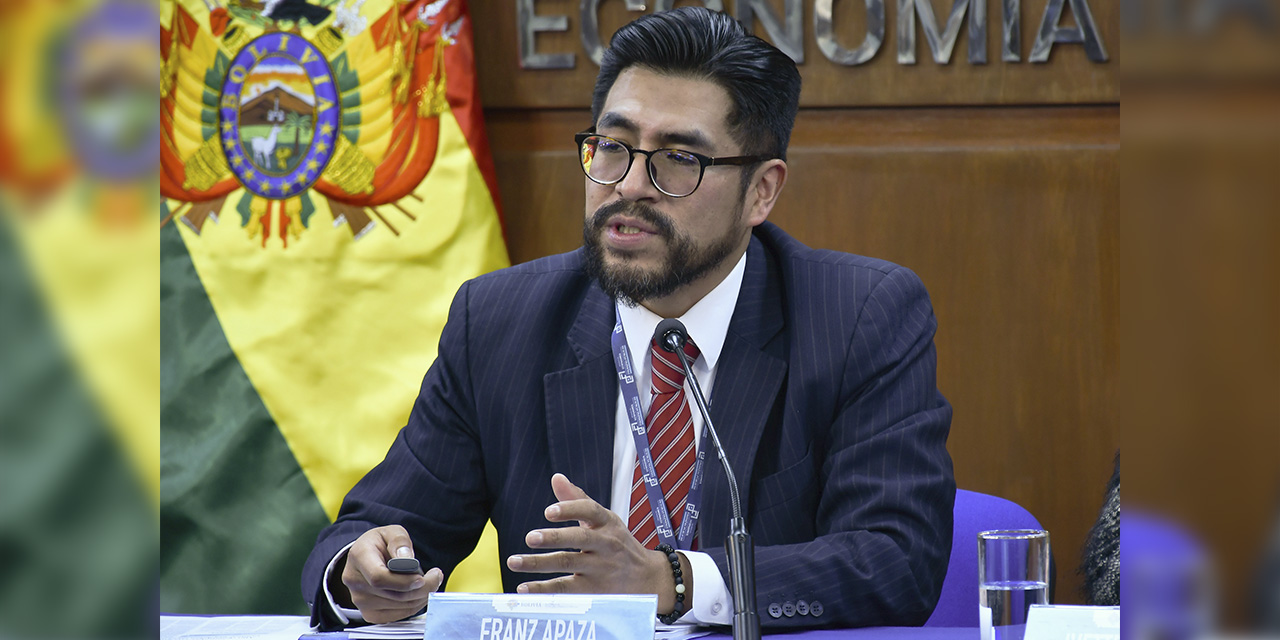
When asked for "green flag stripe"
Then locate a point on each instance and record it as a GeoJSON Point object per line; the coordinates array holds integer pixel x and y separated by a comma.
{"type": "Point", "coordinates": [237, 515]}
{"type": "Point", "coordinates": [77, 533]}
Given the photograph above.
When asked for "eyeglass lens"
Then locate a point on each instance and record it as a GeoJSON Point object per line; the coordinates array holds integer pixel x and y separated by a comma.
{"type": "Point", "coordinates": [606, 160]}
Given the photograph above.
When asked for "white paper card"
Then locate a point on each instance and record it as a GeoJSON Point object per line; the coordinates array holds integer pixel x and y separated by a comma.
{"type": "Point", "coordinates": [232, 627]}
{"type": "Point", "coordinates": [1071, 622]}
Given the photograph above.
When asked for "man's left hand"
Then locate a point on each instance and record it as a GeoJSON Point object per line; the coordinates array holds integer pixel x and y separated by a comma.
{"type": "Point", "coordinates": [608, 558]}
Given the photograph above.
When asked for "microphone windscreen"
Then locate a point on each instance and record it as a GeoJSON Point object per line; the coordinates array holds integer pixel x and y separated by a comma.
{"type": "Point", "coordinates": [667, 330]}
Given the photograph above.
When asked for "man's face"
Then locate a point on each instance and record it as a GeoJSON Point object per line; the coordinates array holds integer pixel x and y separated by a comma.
{"type": "Point", "coordinates": [640, 243]}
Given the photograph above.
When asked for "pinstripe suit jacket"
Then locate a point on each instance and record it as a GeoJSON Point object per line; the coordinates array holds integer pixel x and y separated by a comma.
{"type": "Point", "coordinates": [825, 399]}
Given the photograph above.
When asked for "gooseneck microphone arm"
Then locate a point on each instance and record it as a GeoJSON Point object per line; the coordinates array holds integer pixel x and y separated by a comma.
{"type": "Point", "coordinates": [671, 335]}
{"type": "Point", "coordinates": [698, 397]}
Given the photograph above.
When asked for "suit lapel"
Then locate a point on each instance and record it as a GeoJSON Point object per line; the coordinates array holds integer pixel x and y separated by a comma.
{"type": "Point", "coordinates": [582, 400]}
{"type": "Point", "coordinates": [748, 379]}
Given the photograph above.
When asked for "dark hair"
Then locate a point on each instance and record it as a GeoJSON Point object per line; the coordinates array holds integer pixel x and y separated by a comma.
{"type": "Point", "coordinates": [1100, 563]}
{"type": "Point", "coordinates": [762, 82]}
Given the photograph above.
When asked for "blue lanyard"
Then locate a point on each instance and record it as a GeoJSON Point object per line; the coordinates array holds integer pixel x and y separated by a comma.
{"type": "Point", "coordinates": [652, 488]}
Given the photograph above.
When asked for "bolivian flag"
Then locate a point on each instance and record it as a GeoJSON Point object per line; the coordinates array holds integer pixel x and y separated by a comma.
{"type": "Point", "coordinates": [327, 187]}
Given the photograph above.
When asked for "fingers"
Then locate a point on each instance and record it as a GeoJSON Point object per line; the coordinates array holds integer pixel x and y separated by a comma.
{"type": "Point", "coordinates": [563, 584]}
{"type": "Point", "coordinates": [591, 536]}
{"type": "Point", "coordinates": [392, 614]}
{"type": "Point", "coordinates": [575, 504]}
{"type": "Point", "coordinates": [381, 605]}
{"type": "Point", "coordinates": [368, 558]}
{"type": "Point", "coordinates": [420, 587]}
{"type": "Point", "coordinates": [566, 490]}
{"type": "Point", "coordinates": [397, 541]}
{"type": "Point", "coordinates": [579, 538]}
{"type": "Point", "coordinates": [555, 562]}
{"type": "Point", "coordinates": [379, 594]}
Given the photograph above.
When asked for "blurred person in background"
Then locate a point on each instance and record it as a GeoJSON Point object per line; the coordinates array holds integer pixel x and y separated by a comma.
{"type": "Point", "coordinates": [1267, 603]}
{"type": "Point", "coordinates": [1101, 563]}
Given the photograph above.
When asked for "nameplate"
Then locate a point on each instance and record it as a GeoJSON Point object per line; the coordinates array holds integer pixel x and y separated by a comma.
{"type": "Point", "coordinates": [1068, 622]}
{"type": "Point", "coordinates": [511, 616]}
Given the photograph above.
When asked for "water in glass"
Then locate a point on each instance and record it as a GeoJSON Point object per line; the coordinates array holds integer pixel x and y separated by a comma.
{"type": "Point", "coordinates": [1004, 606]}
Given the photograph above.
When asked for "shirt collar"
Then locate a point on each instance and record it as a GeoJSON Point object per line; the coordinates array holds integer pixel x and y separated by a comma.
{"type": "Point", "coordinates": [707, 320]}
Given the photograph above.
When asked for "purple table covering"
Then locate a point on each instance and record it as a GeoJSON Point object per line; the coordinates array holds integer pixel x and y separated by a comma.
{"type": "Point", "coordinates": [902, 633]}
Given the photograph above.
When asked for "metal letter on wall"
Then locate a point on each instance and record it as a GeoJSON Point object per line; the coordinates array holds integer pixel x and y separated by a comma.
{"type": "Point", "coordinates": [825, 33]}
{"type": "Point", "coordinates": [1085, 32]}
{"type": "Point", "coordinates": [941, 44]}
{"type": "Point", "coordinates": [527, 27]}
{"type": "Point", "coordinates": [1011, 43]}
{"type": "Point", "coordinates": [790, 41]}
{"type": "Point", "coordinates": [589, 11]}
{"type": "Point", "coordinates": [666, 5]}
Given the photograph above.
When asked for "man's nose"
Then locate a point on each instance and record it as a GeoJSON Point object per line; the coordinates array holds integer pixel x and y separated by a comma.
{"type": "Point", "coordinates": [636, 185]}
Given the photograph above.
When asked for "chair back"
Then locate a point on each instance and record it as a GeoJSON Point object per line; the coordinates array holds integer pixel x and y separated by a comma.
{"type": "Point", "coordinates": [974, 513]}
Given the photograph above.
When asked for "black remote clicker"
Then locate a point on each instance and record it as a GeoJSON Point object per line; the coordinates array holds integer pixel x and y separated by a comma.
{"type": "Point", "coordinates": [404, 565]}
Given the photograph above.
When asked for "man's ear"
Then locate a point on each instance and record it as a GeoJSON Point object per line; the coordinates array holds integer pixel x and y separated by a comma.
{"type": "Point", "coordinates": [763, 192]}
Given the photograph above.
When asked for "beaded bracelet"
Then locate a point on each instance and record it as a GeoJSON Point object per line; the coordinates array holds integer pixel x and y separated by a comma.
{"type": "Point", "coordinates": [674, 559]}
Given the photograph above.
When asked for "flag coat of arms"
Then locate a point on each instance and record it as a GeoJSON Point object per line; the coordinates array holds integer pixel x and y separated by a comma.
{"type": "Point", "coordinates": [327, 187]}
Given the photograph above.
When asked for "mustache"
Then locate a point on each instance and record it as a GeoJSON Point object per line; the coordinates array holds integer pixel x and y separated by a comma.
{"type": "Point", "coordinates": [660, 222]}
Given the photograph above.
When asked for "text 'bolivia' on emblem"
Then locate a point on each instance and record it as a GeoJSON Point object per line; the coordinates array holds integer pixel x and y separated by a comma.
{"type": "Point", "coordinates": [279, 115]}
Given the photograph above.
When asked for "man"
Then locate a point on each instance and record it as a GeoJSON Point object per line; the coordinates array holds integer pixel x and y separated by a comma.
{"type": "Point", "coordinates": [1266, 600]}
{"type": "Point", "coordinates": [1100, 564]}
{"type": "Point", "coordinates": [820, 369]}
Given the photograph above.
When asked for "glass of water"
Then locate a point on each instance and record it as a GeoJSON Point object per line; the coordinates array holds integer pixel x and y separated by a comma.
{"type": "Point", "coordinates": [1013, 574]}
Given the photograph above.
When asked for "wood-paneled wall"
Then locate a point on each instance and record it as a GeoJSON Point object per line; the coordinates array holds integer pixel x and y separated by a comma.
{"type": "Point", "coordinates": [999, 186]}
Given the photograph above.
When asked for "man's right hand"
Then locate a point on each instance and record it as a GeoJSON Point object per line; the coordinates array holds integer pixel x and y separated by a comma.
{"type": "Point", "coordinates": [380, 595]}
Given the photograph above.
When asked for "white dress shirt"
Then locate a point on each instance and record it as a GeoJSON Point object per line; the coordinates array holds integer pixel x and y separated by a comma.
{"type": "Point", "coordinates": [707, 323]}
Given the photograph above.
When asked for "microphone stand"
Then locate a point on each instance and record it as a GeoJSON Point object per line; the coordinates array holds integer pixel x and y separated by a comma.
{"type": "Point", "coordinates": [738, 545]}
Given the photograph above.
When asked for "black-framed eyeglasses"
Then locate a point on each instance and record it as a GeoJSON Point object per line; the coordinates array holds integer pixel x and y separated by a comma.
{"type": "Point", "coordinates": [675, 172]}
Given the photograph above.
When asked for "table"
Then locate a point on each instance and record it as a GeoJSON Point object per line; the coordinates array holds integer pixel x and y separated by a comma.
{"type": "Point", "coordinates": [290, 627]}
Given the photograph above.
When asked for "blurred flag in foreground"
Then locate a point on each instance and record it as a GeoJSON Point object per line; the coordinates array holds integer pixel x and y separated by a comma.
{"type": "Point", "coordinates": [327, 187]}
{"type": "Point", "coordinates": [79, 355]}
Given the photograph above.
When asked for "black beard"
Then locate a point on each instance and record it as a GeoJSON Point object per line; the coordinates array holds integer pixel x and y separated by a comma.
{"type": "Point", "coordinates": [685, 262]}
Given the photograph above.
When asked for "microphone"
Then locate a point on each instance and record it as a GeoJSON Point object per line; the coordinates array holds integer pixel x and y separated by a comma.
{"type": "Point", "coordinates": [671, 335]}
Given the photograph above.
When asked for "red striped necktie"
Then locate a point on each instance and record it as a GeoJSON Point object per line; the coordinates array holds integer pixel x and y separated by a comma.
{"type": "Point", "coordinates": [671, 443]}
